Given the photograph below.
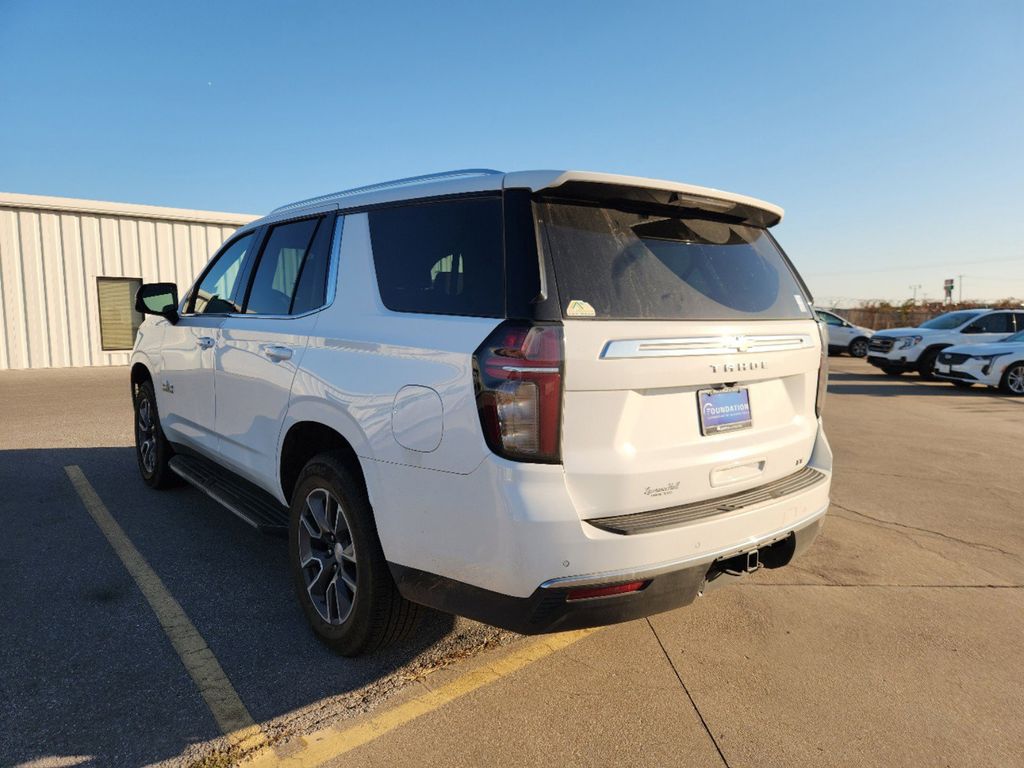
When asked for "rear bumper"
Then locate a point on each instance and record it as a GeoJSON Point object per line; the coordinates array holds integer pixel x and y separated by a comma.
{"type": "Point", "coordinates": [509, 528]}
{"type": "Point", "coordinates": [551, 608]}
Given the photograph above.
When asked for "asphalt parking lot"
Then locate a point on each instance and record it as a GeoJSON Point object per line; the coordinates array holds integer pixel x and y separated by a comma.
{"type": "Point", "coordinates": [896, 640]}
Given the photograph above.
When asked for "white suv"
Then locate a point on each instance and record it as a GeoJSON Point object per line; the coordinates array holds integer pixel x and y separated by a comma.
{"type": "Point", "coordinates": [916, 349]}
{"type": "Point", "coordinates": [844, 336]}
{"type": "Point", "coordinates": [544, 400]}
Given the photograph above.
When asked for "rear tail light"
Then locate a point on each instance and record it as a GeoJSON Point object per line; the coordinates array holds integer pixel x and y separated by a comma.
{"type": "Point", "coordinates": [587, 593]}
{"type": "Point", "coordinates": [819, 399]}
{"type": "Point", "coordinates": [518, 372]}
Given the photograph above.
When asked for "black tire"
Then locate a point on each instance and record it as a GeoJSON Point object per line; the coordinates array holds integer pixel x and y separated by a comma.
{"type": "Point", "coordinates": [926, 364]}
{"type": "Point", "coordinates": [1013, 376]}
{"type": "Point", "coordinates": [375, 613]}
{"type": "Point", "coordinates": [888, 371]}
{"type": "Point", "coordinates": [859, 347]}
{"type": "Point", "coordinates": [962, 384]}
{"type": "Point", "coordinates": [152, 451]}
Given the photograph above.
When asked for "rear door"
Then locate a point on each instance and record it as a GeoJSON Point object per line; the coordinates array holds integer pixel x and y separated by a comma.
{"type": "Point", "coordinates": [691, 357]}
{"type": "Point", "coordinates": [839, 334]}
{"type": "Point", "coordinates": [261, 347]}
{"type": "Point", "coordinates": [990, 327]}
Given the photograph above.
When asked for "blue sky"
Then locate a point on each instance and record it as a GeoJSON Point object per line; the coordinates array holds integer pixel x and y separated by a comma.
{"type": "Point", "coordinates": [890, 132]}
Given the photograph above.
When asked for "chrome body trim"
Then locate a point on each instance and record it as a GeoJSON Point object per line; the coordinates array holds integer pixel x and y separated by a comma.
{"type": "Point", "coordinates": [704, 345]}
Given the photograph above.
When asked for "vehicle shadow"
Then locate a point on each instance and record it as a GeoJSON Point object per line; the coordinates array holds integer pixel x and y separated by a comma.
{"type": "Point", "coordinates": [86, 670]}
{"type": "Point", "coordinates": [880, 385]}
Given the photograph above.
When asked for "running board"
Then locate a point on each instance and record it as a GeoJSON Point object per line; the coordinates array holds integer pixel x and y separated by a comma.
{"type": "Point", "coordinates": [254, 505]}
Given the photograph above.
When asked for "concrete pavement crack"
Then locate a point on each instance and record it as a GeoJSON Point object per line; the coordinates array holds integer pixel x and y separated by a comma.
{"type": "Point", "coordinates": [938, 534]}
{"type": "Point", "coordinates": [686, 690]}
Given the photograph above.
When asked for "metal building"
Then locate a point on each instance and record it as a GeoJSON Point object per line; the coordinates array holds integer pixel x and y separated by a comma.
{"type": "Point", "coordinates": [69, 270]}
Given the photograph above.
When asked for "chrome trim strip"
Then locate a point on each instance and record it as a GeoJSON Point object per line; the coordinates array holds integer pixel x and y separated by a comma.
{"type": "Point", "coordinates": [704, 345]}
{"type": "Point", "coordinates": [685, 562]}
{"type": "Point", "coordinates": [523, 369]}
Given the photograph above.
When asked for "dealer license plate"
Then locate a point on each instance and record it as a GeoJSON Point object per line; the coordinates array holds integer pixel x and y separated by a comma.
{"type": "Point", "coordinates": [723, 410]}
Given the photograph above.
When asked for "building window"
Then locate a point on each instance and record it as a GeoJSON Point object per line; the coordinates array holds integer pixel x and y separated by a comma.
{"type": "Point", "coordinates": [119, 322]}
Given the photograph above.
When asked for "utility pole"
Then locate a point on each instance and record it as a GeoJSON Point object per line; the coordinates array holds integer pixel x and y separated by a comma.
{"type": "Point", "coordinates": [914, 289]}
{"type": "Point", "coordinates": [960, 282]}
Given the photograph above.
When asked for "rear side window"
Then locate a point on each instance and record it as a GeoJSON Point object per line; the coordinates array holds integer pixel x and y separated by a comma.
{"type": "Point", "coordinates": [441, 258]}
{"type": "Point", "coordinates": [614, 264]}
{"type": "Point", "coordinates": [997, 322]}
{"type": "Point", "coordinates": [290, 274]}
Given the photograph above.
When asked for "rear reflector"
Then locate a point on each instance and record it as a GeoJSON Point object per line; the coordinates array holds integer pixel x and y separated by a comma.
{"type": "Point", "coordinates": [614, 589]}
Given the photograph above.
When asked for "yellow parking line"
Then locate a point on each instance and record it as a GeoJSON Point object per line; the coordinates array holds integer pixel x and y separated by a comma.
{"type": "Point", "coordinates": [323, 745]}
{"type": "Point", "coordinates": [232, 717]}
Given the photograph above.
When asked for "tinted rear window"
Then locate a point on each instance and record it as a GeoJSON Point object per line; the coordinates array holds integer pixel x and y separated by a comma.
{"type": "Point", "coordinates": [613, 264]}
{"type": "Point", "coordinates": [441, 258]}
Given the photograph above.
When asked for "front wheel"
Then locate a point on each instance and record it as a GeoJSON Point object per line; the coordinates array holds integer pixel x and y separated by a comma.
{"type": "Point", "coordinates": [152, 450]}
{"type": "Point", "coordinates": [1013, 380]}
{"type": "Point", "coordinates": [859, 348]}
{"type": "Point", "coordinates": [341, 577]}
{"type": "Point", "coordinates": [926, 365]}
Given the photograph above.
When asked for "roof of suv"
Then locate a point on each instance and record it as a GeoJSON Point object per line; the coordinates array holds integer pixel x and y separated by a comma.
{"type": "Point", "coordinates": [566, 183]}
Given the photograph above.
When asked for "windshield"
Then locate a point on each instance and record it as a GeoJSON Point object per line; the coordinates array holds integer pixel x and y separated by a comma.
{"type": "Point", "coordinates": [615, 264]}
{"type": "Point", "coordinates": [949, 320]}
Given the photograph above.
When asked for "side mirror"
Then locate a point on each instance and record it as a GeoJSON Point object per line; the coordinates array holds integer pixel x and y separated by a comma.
{"type": "Point", "coordinates": [158, 299]}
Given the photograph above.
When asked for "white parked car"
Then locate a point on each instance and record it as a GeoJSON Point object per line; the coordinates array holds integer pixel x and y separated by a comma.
{"type": "Point", "coordinates": [997, 364]}
{"type": "Point", "coordinates": [844, 336]}
{"type": "Point", "coordinates": [917, 349]}
{"type": "Point", "coordinates": [544, 400]}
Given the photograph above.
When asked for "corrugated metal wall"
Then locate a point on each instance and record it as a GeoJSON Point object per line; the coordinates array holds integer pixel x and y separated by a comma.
{"type": "Point", "coordinates": [53, 249]}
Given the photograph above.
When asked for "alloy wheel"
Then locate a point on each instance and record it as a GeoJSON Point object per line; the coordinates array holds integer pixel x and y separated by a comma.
{"type": "Point", "coordinates": [145, 435]}
{"type": "Point", "coordinates": [327, 556]}
{"type": "Point", "coordinates": [1015, 379]}
{"type": "Point", "coordinates": [859, 348]}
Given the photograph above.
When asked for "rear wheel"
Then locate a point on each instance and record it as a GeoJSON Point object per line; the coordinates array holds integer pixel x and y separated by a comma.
{"type": "Point", "coordinates": [1013, 379]}
{"type": "Point", "coordinates": [859, 348]}
{"type": "Point", "coordinates": [152, 450]}
{"type": "Point", "coordinates": [341, 577]}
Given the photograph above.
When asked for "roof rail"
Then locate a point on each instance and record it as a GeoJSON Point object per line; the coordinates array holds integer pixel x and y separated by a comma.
{"type": "Point", "coordinates": [408, 182]}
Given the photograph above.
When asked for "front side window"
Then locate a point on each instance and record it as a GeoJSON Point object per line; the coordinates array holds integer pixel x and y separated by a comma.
{"type": "Point", "coordinates": [119, 322]}
{"type": "Point", "coordinates": [442, 258]}
{"type": "Point", "coordinates": [219, 291]}
{"type": "Point", "coordinates": [629, 265]}
{"type": "Point", "coordinates": [291, 274]}
{"type": "Point", "coordinates": [830, 319]}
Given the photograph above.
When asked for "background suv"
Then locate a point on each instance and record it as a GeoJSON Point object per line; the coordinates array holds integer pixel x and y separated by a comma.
{"type": "Point", "coordinates": [844, 336]}
{"type": "Point", "coordinates": [995, 364]}
{"type": "Point", "coordinates": [916, 349]}
{"type": "Point", "coordinates": [543, 400]}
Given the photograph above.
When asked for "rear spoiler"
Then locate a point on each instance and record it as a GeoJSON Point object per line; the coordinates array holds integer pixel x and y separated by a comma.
{"type": "Point", "coordinates": [611, 188]}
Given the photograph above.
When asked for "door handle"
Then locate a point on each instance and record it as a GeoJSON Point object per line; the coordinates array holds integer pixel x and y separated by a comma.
{"type": "Point", "coordinates": [205, 342]}
{"type": "Point", "coordinates": [277, 354]}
